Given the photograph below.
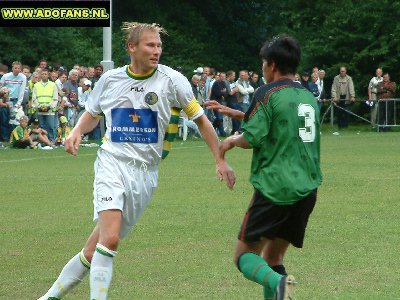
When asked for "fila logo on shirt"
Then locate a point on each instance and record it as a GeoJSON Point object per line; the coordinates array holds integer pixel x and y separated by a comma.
{"type": "Point", "coordinates": [106, 199]}
{"type": "Point", "coordinates": [137, 89]}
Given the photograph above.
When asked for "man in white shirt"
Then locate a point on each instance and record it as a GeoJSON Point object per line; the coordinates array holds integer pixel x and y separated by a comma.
{"type": "Point", "coordinates": [136, 100]}
{"type": "Point", "coordinates": [372, 91]}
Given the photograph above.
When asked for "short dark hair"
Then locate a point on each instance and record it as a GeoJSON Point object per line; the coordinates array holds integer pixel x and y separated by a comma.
{"type": "Point", "coordinates": [284, 51]}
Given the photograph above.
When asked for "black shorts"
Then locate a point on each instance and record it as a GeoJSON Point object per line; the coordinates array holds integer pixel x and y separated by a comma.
{"type": "Point", "coordinates": [22, 144]}
{"type": "Point", "coordinates": [266, 220]}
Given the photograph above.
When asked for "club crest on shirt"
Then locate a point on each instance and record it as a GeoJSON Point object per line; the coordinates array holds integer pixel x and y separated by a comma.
{"type": "Point", "coordinates": [151, 98]}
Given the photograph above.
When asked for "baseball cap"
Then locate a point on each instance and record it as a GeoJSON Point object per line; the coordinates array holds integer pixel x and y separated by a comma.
{"type": "Point", "coordinates": [35, 121]}
{"type": "Point", "coordinates": [305, 73]}
{"type": "Point", "coordinates": [198, 70]}
{"type": "Point", "coordinates": [63, 119]}
{"type": "Point", "coordinates": [87, 82]}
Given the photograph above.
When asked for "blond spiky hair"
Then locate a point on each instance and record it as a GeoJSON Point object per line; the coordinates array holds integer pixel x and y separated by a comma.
{"type": "Point", "coordinates": [133, 30]}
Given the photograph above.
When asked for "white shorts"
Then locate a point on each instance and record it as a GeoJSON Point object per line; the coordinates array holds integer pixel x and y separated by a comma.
{"type": "Point", "coordinates": [123, 185]}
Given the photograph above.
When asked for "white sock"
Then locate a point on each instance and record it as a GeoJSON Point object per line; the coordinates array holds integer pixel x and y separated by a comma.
{"type": "Point", "coordinates": [71, 275]}
{"type": "Point", "coordinates": [101, 272]}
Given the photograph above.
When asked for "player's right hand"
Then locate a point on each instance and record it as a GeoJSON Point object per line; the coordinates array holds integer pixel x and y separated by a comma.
{"type": "Point", "coordinates": [72, 143]}
{"type": "Point", "coordinates": [226, 173]}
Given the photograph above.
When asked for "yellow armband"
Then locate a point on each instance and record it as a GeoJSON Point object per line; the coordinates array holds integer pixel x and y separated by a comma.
{"type": "Point", "coordinates": [192, 108]}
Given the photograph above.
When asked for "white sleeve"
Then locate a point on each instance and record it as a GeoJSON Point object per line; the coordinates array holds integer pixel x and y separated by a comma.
{"type": "Point", "coordinates": [182, 90]}
{"type": "Point", "coordinates": [22, 90]}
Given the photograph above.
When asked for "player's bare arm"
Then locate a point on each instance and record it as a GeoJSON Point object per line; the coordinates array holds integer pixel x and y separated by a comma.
{"type": "Point", "coordinates": [223, 170]}
{"type": "Point", "coordinates": [232, 113]}
{"type": "Point", "coordinates": [86, 123]}
{"type": "Point", "coordinates": [236, 140]}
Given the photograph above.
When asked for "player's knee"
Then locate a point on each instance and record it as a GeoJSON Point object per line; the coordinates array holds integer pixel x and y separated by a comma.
{"type": "Point", "coordinates": [88, 253]}
{"type": "Point", "coordinates": [273, 259]}
{"type": "Point", "coordinates": [110, 241]}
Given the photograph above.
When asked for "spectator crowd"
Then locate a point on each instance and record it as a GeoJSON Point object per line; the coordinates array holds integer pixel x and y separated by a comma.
{"type": "Point", "coordinates": [38, 107]}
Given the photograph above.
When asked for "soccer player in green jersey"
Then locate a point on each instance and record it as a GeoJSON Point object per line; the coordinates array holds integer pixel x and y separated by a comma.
{"type": "Point", "coordinates": [282, 128]}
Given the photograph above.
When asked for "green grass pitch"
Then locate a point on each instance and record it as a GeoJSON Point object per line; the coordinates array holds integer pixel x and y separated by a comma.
{"type": "Point", "coordinates": [182, 246]}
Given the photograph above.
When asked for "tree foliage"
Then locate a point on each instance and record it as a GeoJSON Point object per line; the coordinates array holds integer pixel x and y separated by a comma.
{"type": "Point", "coordinates": [228, 35]}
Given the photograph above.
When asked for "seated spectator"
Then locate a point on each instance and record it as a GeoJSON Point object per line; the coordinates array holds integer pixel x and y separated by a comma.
{"type": "Point", "coordinates": [62, 132]}
{"type": "Point", "coordinates": [38, 134]}
{"type": "Point", "coordinates": [20, 136]}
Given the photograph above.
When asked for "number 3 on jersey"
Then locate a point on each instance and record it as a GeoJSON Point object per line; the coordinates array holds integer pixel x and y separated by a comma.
{"type": "Point", "coordinates": [307, 133]}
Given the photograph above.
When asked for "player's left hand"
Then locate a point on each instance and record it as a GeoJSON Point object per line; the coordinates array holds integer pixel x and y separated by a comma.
{"type": "Point", "coordinates": [226, 173]}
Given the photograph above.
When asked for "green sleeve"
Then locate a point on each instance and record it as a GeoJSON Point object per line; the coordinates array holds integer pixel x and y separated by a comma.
{"type": "Point", "coordinates": [256, 129]}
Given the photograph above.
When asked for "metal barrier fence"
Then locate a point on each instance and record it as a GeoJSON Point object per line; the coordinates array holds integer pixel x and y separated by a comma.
{"type": "Point", "coordinates": [385, 110]}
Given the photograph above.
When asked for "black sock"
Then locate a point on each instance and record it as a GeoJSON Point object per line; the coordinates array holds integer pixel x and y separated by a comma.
{"type": "Point", "coordinates": [279, 269]}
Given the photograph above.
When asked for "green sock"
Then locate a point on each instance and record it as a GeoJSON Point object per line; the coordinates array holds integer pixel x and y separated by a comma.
{"type": "Point", "coordinates": [256, 269]}
{"type": "Point", "coordinates": [268, 293]}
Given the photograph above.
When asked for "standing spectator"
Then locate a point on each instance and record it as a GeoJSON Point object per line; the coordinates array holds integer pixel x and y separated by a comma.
{"type": "Point", "coordinates": [60, 84]}
{"type": "Point", "coordinates": [218, 93]}
{"type": "Point", "coordinates": [45, 99]}
{"type": "Point", "coordinates": [82, 98]}
{"type": "Point", "coordinates": [82, 72]}
{"type": "Point", "coordinates": [95, 134]}
{"type": "Point", "coordinates": [386, 90]}
{"type": "Point", "coordinates": [5, 106]}
{"type": "Point", "coordinates": [304, 80]}
{"type": "Point", "coordinates": [254, 80]}
{"type": "Point", "coordinates": [206, 72]}
{"type": "Point", "coordinates": [343, 93]}
{"type": "Point", "coordinates": [209, 82]}
{"type": "Point", "coordinates": [372, 92]}
{"type": "Point", "coordinates": [43, 64]}
{"type": "Point", "coordinates": [232, 98]}
{"type": "Point", "coordinates": [201, 91]}
{"type": "Point", "coordinates": [3, 70]}
{"type": "Point", "coordinates": [72, 84]}
{"type": "Point", "coordinates": [193, 83]}
{"type": "Point", "coordinates": [198, 71]}
{"type": "Point", "coordinates": [321, 88]}
{"type": "Point", "coordinates": [245, 90]}
{"type": "Point", "coordinates": [90, 73]}
{"type": "Point", "coordinates": [26, 70]}
{"type": "Point", "coordinates": [313, 87]}
{"type": "Point", "coordinates": [315, 70]}
{"type": "Point", "coordinates": [98, 71]}
{"type": "Point", "coordinates": [53, 75]}
{"type": "Point", "coordinates": [31, 111]}
{"type": "Point", "coordinates": [16, 82]}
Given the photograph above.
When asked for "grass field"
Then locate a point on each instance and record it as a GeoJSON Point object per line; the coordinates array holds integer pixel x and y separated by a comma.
{"type": "Point", "coordinates": [182, 246]}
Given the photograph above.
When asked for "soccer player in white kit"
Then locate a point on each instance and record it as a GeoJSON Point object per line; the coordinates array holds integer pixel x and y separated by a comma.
{"type": "Point", "coordinates": [136, 101]}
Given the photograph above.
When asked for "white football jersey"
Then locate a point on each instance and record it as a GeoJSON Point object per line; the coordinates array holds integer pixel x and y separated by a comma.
{"type": "Point", "coordinates": [137, 110]}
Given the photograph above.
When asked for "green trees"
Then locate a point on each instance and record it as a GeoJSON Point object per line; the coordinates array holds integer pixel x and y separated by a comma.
{"type": "Point", "coordinates": [228, 35]}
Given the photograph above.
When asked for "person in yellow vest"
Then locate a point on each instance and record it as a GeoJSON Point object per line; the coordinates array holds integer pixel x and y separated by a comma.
{"type": "Point", "coordinates": [45, 99]}
{"type": "Point", "coordinates": [63, 131]}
